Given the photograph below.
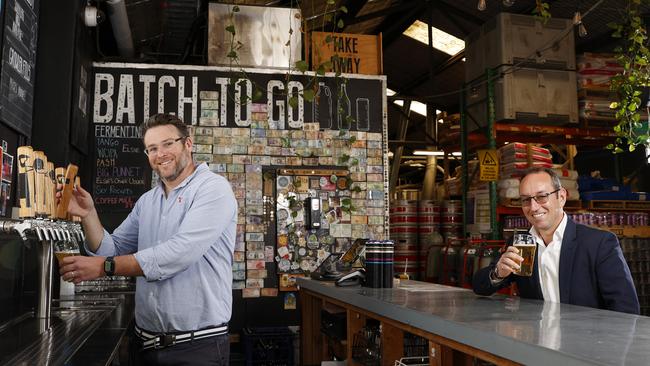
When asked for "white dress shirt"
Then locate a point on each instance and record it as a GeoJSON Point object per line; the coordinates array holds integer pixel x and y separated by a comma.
{"type": "Point", "coordinates": [548, 262]}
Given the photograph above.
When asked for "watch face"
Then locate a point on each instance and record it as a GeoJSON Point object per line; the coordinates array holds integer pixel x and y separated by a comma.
{"type": "Point", "coordinates": [109, 266]}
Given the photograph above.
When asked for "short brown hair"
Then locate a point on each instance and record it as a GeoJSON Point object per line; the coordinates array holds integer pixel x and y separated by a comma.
{"type": "Point", "coordinates": [555, 179]}
{"type": "Point", "coordinates": [163, 119]}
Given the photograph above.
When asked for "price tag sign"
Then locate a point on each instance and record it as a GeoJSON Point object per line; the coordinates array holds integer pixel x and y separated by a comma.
{"type": "Point", "coordinates": [489, 165]}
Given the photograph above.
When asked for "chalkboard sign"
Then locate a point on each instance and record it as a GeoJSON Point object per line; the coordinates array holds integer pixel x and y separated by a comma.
{"type": "Point", "coordinates": [18, 60]}
{"type": "Point", "coordinates": [124, 95]}
{"type": "Point", "coordinates": [122, 173]}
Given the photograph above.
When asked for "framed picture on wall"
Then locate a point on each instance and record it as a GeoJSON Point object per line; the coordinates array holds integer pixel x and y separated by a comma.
{"type": "Point", "coordinates": [7, 167]}
{"type": "Point", "coordinates": [5, 192]}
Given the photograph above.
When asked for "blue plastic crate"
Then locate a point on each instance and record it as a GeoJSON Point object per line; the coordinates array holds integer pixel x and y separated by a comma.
{"type": "Point", "coordinates": [269, 346]}
{"type": "Point", "coordinates": [640, 196]}
{"type": "Point", "coordinates": [587, 183]}
{"type": "Point", "coordinates": [623, 193]}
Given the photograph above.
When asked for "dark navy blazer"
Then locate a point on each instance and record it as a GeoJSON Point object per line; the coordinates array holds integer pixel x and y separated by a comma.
{"type": "Point", "coordinates": [592, 272]}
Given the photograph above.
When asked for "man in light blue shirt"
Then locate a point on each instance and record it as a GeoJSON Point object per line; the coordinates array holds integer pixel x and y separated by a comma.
{"type": "Point", "coordinates": [179, 242]}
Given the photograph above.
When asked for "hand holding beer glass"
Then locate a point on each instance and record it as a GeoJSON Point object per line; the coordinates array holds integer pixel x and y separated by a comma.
{"type": "Point", "coordinates": [65, 248]}
{"type": "Point", "coordinates": [525, 244]}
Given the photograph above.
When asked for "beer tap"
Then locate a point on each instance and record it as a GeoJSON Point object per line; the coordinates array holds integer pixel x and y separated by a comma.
{"type": "Point", "coordinates": [20, 227]}
{"type": "Point", "coordinates": [37, 230]}
{"type": "Point", "coordinates": [52, 232]}
{"type": "Point", "coordinates": [44, 228]}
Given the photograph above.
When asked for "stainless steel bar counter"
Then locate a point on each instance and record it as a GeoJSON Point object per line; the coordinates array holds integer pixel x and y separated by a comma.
{"type": "Point", "coordinates": [86, 329]}
{"type": "Point", "coordinates": [499, 329]}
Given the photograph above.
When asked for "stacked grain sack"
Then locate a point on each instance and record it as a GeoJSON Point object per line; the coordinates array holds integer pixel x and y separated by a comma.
{"type": "Point", "coordinates": [515, 158]}
{"type": "Point", "coordinates": [594, 79]}
{"type": "Point", "coordinates": [595, 71]}
{"type": "Point", "coordinates": [569, 180]}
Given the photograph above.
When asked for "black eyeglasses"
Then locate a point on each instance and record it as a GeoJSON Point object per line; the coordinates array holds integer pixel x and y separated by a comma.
{"type": "Point", "coordinates": [164, 146]}
{"type": "Point", "coordinates": [540, 198]}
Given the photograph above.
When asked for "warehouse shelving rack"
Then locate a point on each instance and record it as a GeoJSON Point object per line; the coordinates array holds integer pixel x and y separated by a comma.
{"type": "Point", "coordinates": [496, 133]}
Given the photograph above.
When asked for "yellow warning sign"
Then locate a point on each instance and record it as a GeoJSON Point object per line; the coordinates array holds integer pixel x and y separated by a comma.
{"type": "Point", "coordinates": [489, 165]}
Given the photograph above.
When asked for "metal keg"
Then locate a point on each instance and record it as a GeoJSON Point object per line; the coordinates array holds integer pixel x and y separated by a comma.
{"type": "Point", "coordinates": [406, 259]}
{"type": "Point", "coordinates": [449, 262]}
{"type": "Point", "coordinates": [404, 231]}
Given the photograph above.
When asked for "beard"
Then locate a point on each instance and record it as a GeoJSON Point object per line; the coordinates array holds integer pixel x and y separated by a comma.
{"type": "Point", "coordinates": [179, 166]}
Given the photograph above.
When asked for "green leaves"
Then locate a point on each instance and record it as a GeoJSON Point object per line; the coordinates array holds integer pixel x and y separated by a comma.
{"type": "Point", "coordinates": [634, 56]}
{"type": "Point", "coordinates": [541, 11]}
{"type": "Point", "coordinates": [302, 66]}
{"type": "Point", "coordinates": [257, 95]}
{"type": "Point", "coordinates": [231, 29]}
{"type": "Point", "coordinates": [293, 102]}
{"type": "Point", "coordinates": [308, 95]}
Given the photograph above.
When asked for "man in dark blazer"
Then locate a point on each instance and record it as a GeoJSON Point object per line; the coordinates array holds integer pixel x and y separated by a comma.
{"type": "Point", "coordinates": [574, 264]}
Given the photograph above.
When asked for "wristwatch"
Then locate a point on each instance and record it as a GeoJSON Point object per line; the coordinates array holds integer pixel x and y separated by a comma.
{"type": "Point", "coordinates": [109, 266]}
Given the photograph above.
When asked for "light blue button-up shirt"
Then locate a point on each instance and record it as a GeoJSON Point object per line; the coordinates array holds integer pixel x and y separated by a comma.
{"type": "Point", "coordinates": [184, 244]}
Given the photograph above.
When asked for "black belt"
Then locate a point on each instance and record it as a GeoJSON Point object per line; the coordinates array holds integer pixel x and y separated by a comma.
{"type": "Point", "coordinates": [162, 340]}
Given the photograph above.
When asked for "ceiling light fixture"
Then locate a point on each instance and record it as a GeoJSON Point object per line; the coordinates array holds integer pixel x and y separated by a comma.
{"type": "Point", "coordinates": [481, 5]}
{"type": "Point", "coordinates": [508, 3]}
{"type": "Point", "coordinates": [417, 107]}
{"type": "Point", "coordinates": [577, 21]}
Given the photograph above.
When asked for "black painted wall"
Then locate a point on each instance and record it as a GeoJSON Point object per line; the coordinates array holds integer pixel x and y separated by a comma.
{"type": "Point", "coordinates": [64, 47]}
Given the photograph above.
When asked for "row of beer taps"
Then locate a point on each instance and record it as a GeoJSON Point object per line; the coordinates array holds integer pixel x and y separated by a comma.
{"type": "Point", "coordinates": [45, 229]}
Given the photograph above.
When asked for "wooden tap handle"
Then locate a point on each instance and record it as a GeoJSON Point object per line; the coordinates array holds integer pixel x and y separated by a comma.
{"type": "Point", "coordinates": [26, 181]}
{"type": "Point", "coordinates": [39, 182]}
{"type": "Point", "coordinates": [66, 192]}
{"type": "Point", "coordinates": [51, 190]}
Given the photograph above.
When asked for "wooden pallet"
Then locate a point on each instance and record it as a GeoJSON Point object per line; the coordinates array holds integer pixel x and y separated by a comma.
{"type": "Point", "coordinates": [618, 205]}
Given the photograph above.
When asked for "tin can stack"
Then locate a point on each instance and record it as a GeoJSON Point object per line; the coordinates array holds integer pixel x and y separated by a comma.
{"type": "Point", "coordinates": [379, 263]}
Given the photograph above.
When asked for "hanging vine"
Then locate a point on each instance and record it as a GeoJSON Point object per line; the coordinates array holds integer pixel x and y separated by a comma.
{"type": "Point", "coordinates": [542, 10]}
{"type": "Point", "coordinates": [634, 56]}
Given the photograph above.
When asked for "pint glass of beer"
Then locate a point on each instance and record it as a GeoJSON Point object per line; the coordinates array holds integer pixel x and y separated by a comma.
{"type": "Point", "coordinates": [64, 249]}
{"type": "Point", "coordinates": [527, 246]}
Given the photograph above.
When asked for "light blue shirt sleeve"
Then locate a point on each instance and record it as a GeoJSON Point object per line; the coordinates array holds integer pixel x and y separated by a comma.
{"type": "Point", "coordinates": [210, 213]}
{"type": "Point", "coordinates": [124, 239]}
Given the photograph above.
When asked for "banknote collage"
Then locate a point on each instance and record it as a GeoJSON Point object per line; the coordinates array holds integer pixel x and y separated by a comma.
{"type": "Point", "coordinates": [353, 204]}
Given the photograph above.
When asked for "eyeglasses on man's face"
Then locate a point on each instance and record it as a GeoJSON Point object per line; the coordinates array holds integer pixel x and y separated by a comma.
{"type": "Point", "coordinates": [163, 147]}
{"type": "Point", "coordinates": [540, 198]}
